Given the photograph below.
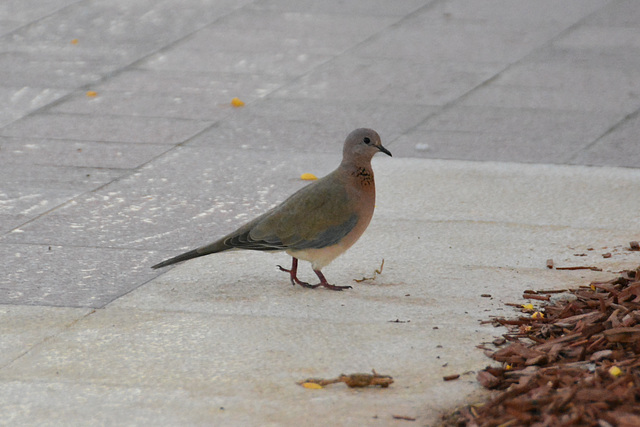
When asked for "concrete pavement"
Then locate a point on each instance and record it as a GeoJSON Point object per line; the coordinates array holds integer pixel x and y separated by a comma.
{"type": "Point", "coordinates": [513, 126]}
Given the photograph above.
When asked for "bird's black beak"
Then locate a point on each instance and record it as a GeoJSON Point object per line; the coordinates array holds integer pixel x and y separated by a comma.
{"type": "Point", "coordinates": [384, 150]}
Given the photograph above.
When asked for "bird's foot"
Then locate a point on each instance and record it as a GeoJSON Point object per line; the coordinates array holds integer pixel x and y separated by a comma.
{"type": "Point", "coordinates": [307, 285]}
{"type": "Point", "coordinates": [294, 278]}
{"type": "Point", "coordinates": [333, 287]}
{"type": "Point", "coordinates": [284, 269]}
{"type": "Point", "coordinates": [324, 283]}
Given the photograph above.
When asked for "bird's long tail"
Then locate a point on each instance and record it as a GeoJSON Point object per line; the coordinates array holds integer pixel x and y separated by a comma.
{"type": "Point", "coordinates": [238, 239]}
{"type": "Point", "coordinates": [183, 257]}
{"type": "Point", "coordinates": [201, 251]}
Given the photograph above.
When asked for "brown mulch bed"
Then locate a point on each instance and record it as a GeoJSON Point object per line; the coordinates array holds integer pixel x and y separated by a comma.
{"type": "Point", "coordinates": [574, 362]}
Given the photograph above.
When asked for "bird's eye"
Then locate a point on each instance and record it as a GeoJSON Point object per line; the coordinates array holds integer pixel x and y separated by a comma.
{"type": "Point", "coordinates": [367, 140]}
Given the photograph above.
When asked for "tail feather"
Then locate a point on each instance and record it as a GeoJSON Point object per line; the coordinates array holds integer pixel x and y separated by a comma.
{"type": "Point", "coordinates": [239, 239]}
{"type": "Point", "coordinates": [183, 257]}
{"type": "Point", "coordinates": [218, 246]}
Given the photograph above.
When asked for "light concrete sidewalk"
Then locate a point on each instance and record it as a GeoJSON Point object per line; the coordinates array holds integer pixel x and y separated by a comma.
{"type": "Point", "coordinates": [222, 340]}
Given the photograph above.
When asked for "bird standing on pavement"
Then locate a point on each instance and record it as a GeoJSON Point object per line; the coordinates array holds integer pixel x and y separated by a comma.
{"type": "Point", "coordinates": [318, 222]}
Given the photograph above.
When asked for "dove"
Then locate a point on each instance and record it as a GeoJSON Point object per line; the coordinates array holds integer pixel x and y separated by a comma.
{"type": "Point", "coordinates": [317, 223]}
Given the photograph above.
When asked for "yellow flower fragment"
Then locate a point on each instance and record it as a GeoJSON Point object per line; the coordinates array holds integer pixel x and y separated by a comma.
{"type": "Point", "coordinates": [236, 102]}
{"type": "Point", "coordinates": [312, 386]}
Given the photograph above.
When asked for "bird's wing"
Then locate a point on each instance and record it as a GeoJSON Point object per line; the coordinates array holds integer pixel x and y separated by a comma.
{"type": "Point", "coordinates": [316, 216]}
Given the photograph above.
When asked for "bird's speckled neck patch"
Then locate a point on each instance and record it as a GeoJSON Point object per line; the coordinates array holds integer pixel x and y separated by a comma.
{"type": "Point", "coordinates": [365, 175]}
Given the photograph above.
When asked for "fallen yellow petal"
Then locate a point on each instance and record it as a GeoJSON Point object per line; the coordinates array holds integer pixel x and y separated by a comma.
{"type": "Point", "coordinates": [312, 385]}
{"type": "Point", "coordinates": [92, 93]}
{"type": "Point", "coordinates": [527, 306]}
{"type": "Point", "coordinates": [236, 102]}
{"type": "Point", "coordinates": [537, 315]}
{"type": "Point", "coordinates": [308, 177]}
{"type": "Point", "coordinates": [508, 367]}
{"type": "Point", "coordinates": [614, 371]}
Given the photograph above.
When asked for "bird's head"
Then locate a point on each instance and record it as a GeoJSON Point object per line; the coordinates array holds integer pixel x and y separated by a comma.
{"type": "Point", "coordinates": [362, 144]}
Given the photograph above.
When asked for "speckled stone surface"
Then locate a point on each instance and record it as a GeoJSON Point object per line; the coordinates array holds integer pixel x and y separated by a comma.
{"type": "Point", "coordinates": [513, 126]}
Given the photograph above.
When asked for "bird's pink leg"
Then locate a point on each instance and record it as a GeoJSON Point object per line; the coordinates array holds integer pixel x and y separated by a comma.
{"type": "Point", "coordinates": [323, 282]}
{"type": "Point", "coordinates": [293, 275]}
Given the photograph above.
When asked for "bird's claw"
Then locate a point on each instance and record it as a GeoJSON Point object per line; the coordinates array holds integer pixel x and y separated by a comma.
{"type": "Point", "coordinates": [334, 287]}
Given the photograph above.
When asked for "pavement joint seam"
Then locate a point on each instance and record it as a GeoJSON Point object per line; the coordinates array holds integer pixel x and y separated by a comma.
{"type": "Point", "coordinates": [42, 18]}
{"type": "Point", "coordinates": [617, 125]}
{"type": "Point", "coordinates": [127, 173]}
{"type": "Point", "coordinates": [47, 338]}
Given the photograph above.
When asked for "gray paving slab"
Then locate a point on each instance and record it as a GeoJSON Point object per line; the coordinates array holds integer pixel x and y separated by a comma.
{"type": "Point", "coordinates": [596, 37]}
{"type": "Point", "coordinates": [566, 98]}
{"type": "Point", "coordinates": [618, 147]}
{"type": "Point", "coordinates": [145, 209]}
{"type": "Point", "coordinates": [10, 221]}
{"type": "Point", "coordinates": [8, 25]}
{"type": "Point", "coordinates": [600, 58]}
{"type": "Point", "coordinates": [453, 42]}
{"type": "Point", "coordinates": [287, 63]}
{"type": "Point", "coordinates": [339, 7]}
{"type": "Point", "coordinates": [101, 128]}
{"type": "Point", "coordinates": [219, 86]}
{"type": "Point", "coordinates": [278, 32]}
{"type": "Point", "coordinates": [17, 176]}
{"type": "Point", "coordinates": [516, 14]}
{"type": "Point", "coordinates": [131, 28]}
{"type": "Point", "coordinates": [25, 100]}
{"type": "Point", "coordinates": [29, 191]}
{"type": "Point", "coordinates": [557, 79]}
{"type": "Point", "coordinates": [200, 106]}
{"type": "Point", "coordinates": [498, 32]}
{"type": "Point", "coordinates": [623, 13]}
{"type": "Point", "coordinates": [252, 127]}
{"type": "Point", "coordinates": [32, 10]}
{"type": "Point", "coordinates": [81, 154]}
{"type": "Point", "coordinates": [175, 94]}
{"type": "Point", "coordinates": [95, 190]}
{"type": "Point", "coordinates": [39, 175]}
{"type": "Point", "coordinates": [26, 69]}
{"type": "Point", "coordinates": [511, 121]}
{"type": "Point", "coordinates": [272, 43]}
{"type": "Point", "coordinates": [351, 77]}
{"type": "Point", "coordinates": [21, 205]}
{"type": "Point", "coordinates": [70, 276]}
{"type": "Point", "coordinates": [506, 134]}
